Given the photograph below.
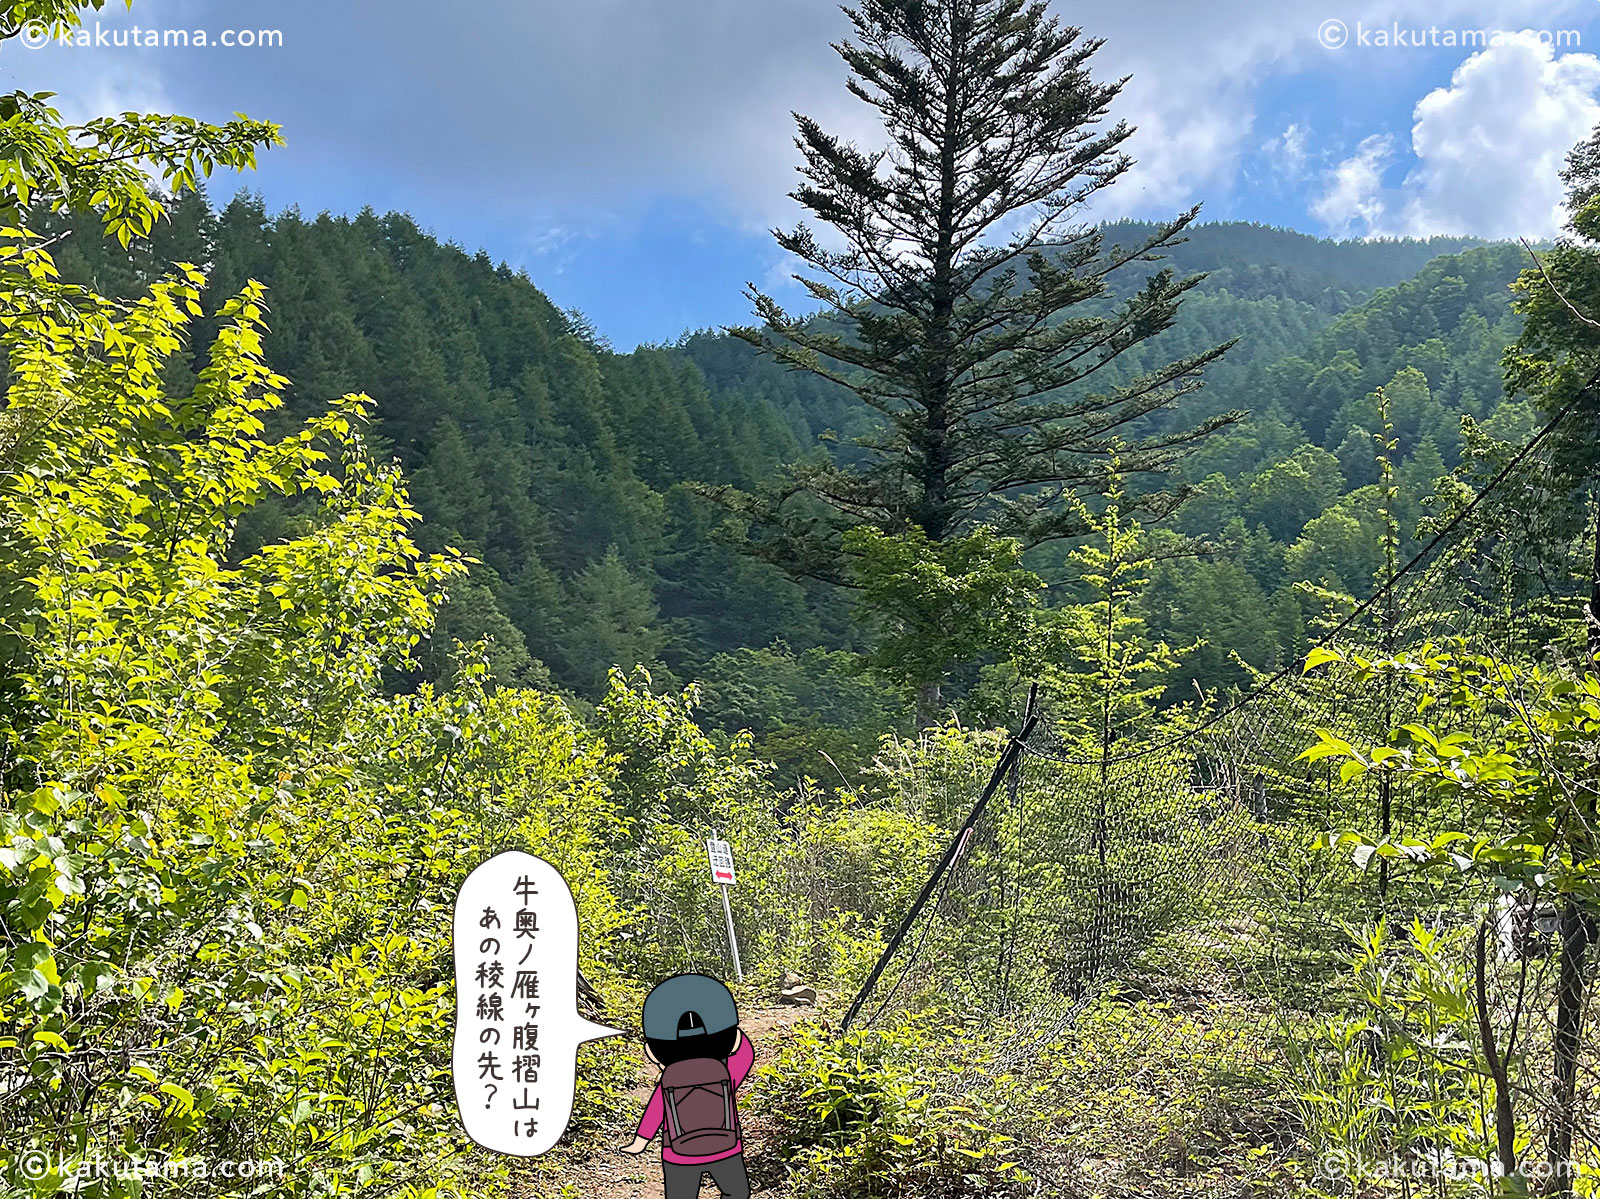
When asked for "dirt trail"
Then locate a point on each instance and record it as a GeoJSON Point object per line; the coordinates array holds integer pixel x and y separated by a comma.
{"type": "Point", "coordinates": [615, 1175]}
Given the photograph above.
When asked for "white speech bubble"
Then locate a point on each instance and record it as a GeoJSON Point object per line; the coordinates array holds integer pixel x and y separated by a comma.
{"type": "Point", "coordinates": [517, 1022]}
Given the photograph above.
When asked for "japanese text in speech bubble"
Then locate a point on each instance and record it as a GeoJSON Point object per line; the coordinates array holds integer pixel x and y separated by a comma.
{"type": "Point", "coordinates": [517, 1023]}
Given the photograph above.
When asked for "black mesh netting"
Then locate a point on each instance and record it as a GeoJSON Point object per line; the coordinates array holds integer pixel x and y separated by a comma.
{"type": "Point", "coordinates": [1144, 870]}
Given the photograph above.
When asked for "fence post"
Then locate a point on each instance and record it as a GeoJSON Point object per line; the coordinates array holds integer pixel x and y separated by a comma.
{"type": "Point", "coordinates": [1014, 797]}
{"type": "Point", "coordinates": [1012, 750]}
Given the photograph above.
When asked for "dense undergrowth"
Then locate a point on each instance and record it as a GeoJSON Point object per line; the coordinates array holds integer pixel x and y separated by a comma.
{"type": "Point", "coordinates": [229, 858]}
{"type": "Point", "coordinates": [234, 817]}
{"type": "Point", "coordinates": [230, 854]}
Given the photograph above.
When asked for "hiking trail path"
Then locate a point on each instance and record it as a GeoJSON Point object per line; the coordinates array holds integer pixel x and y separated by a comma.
{"type": "Point", "coordinates": [613, 1174]}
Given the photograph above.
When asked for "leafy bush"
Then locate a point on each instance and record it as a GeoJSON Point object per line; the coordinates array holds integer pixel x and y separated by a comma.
{"type": "Point", "coordinates": [864, 1115]}
{"type": "Point", "coordinates": [1397, 1088]}
{"type": "Point", "coordinates": [852, 870]}
{"type": "Point", "coordinates": [227, 864]}
{"type": "Point", "coordinates": [818, 883]}
{"type": "Point", "coordinates": [814, 714]}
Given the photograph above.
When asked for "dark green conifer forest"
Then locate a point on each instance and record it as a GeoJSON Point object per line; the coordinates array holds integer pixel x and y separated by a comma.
{"type": "Point", "coordinates": [575, 474]}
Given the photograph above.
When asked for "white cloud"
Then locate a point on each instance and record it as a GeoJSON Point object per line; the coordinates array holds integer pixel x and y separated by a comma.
{"type": "Point", "coordinates": [85, 86]}
{"type": "Point", "coordinates": [1488, 149]}
{"type": "Point", "coordinates": [1491, 145]}
{"type": "Point", "coordinates": [1288, 152]}
{"type": "Point", "coordinates": [572, 113]}
{"type": "Point", "coordinates": [1197, 72]}
{"type": "Point", "coordinates": [553, 247]}
{"type": "Point", "coordinates": [1352, 201]}
{"type": "Point", "coordinates": [569, 111]}
{"type": "Point", "coordinates": [780, 276]}
{"type": "Point", "coordinates": [121, 90]}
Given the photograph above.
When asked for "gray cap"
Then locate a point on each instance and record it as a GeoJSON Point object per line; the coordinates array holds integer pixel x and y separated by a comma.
{"type": "Point", "coordinates": [666, 1006]}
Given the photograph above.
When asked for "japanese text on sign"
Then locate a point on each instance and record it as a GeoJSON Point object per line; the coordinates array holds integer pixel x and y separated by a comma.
{"type": "Point", "coordinates": [720, 854]}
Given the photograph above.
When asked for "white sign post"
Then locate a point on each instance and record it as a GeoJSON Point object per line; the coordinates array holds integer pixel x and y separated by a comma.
{"type": "Point", "coordinates": [720, 856]}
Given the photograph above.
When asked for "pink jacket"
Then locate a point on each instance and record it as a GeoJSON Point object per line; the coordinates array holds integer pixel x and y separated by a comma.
{"type": "Point", "coordinates": [655, 1111]}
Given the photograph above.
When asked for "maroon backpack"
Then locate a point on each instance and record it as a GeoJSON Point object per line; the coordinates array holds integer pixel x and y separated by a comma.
{"type": "Point", "coordinates": [701, 1119]}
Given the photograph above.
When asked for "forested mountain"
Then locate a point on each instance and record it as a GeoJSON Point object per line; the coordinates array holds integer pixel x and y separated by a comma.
{"type": "Point", "coordinates": [1272, 287]}
{"type": "Point", "coordinates": [563, 466]}
{"type": "Point", "coordinates": [1293, 492]}
{"type": "Point", "coordinates": [528, 444]}
{"type": "Point", "coordinates": [1255, 261]}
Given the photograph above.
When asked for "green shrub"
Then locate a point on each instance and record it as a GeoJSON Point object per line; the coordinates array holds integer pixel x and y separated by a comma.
{"type": "Point", "coordinates": [227, 863]}
{"type": "Point", "coordinates": [865, 1115]}
{"type": "Point", "coordinates": [1398, 1087]}
{"type": "Point", "coordinates": [818, 883]}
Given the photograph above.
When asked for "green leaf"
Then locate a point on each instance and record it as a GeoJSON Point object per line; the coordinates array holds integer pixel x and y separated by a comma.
{"type": "Point", "coordinates": [1318, 656]}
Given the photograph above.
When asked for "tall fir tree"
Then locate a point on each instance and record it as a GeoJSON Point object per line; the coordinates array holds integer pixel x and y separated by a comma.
{"type": "Point", "coordinates": [962, 308]}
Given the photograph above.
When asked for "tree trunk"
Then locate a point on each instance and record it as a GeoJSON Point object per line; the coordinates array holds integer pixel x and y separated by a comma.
{"type": "Point", "coordinates": [1577, 931]}
{"type": "Point", "coordinates": [935, 516]}
{"type": "Point", "coordinates": [930, 708]}
{"type": "Point", "coordinates": [1505, 1119]}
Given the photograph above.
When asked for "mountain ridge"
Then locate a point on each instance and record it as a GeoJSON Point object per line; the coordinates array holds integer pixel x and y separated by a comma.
{"type": "Point", "coordinates": [564, 465]}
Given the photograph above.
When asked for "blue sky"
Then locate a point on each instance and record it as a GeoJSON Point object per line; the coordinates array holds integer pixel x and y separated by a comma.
{"type": "Point", "coordinates": [632, 154]}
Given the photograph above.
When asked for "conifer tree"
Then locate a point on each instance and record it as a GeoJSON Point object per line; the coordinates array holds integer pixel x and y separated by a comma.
{"type": "Point", "coordinates": [1558, 353]}
{"type": "Point", "coordinates": [612, 622]}
{"type": "Point", "coordinates": [1559, 349]}
{"type": "Point", "coordinates": [961, 307]}
{"type": "Point", "coordinates": [1102, 662]}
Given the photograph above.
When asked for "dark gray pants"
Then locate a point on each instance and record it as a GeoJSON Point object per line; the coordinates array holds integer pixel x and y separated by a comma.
{"type": "Point", "coordinates": [683, 1182]}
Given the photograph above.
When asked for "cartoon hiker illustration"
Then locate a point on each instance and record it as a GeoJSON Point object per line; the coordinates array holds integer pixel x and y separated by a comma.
{"type": "Point", "coordinates": [691, 1032]}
